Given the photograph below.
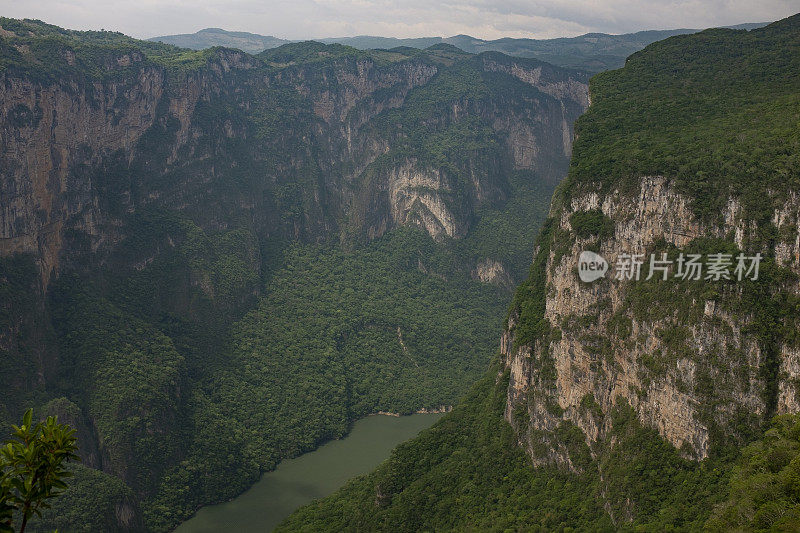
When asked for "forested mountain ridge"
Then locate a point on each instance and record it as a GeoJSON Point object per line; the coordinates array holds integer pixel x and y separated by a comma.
{"type": "Point", "coordinates": [212, 261]}
{"type": "Point", "coordinates": [169, 114]}
{"type": "Point", "coordinates": [593, 52]}
{"type": "Point", "coordinates": [638, 404]}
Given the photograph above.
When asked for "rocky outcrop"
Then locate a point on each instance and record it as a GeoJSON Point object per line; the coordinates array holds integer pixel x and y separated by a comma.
{"type": "Point", "coordinates": [80, 154]}
{"type": "Point", "coordinates": [418, 197]}
{"type": "Point", "coordinates": [490, 271]}
{"type": "Point", "coordinates": [688, 366]}
{"type": "Point", "coordinates": [543, 77]}
{"type": "Point", "coordinates": [64, 142]}
{"type": "Point", "coordinates": [51, 136]}
{"type": "Point", "coordinates": [532, 130]}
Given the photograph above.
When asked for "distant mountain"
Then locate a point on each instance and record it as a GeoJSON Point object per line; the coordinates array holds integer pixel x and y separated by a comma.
{"type": "Point", "coordinates": [593, 52]}
{"type": "Point", "coordinates": [210, 37]}
{"type": "Point", "coordinates": [371, 42]}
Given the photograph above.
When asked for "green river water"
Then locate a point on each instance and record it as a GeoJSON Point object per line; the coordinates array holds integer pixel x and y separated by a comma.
{"type": "Point", "coordinates": [313, 475]}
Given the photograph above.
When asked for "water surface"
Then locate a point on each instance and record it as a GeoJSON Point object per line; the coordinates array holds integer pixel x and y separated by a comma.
{"type": "Point", "coordinates": [313, 475]}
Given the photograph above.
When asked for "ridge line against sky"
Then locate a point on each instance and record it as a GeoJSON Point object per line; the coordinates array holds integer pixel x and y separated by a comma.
{"type": "Point", "coordinates": [442, 37]}
{"type": "Point", "coordinates": [484, 19]}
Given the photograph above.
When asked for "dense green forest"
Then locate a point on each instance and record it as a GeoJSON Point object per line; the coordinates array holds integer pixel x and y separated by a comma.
{"type": "Point", "coordinates": [468, 472]}
{"type": "Point", "coordinates": [764, 490]}
{"type": "Point", "coordinates": [721, 120]}
{"type": "Point", "coordinates": [717, 114]}
{"type": "Point", "coordinates": [243, 297]}
{"type": "Point", "coordinates": [335, 336]}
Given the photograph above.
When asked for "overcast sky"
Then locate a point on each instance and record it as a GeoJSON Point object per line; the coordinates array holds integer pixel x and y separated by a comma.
{"type": "Point", "coordinates": [488, 19]}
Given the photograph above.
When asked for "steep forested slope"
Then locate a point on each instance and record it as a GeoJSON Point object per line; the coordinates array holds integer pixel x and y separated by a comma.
{"type": "Point", "coordinates": [212, 261]}
{"type": "Point", "coordinates": [637, 398]}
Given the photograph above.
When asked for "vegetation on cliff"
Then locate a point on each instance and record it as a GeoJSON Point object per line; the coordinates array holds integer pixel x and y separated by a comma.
{"type": "Point", "coordinates": [469, 472]}
{"type": "Point", "coordinates": [237, 284]}
{"type": "Point", "coordinates": [765, 484]}
{"type": "Point", "coordinates": [716, 110]}
{"type": "Point", "coordinates": [716, 114]}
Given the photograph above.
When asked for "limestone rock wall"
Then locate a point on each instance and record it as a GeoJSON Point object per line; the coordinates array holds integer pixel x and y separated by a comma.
{"type": "Point", "coordinates": [605, 350]}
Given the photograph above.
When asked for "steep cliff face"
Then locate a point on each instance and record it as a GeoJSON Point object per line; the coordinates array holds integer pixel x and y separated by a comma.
{"type": "Point", "coordinates": [670, 364]}
{"type": "Point", "coordinates": [437, 173]}
{"type": "Point", "coordinates": [283, 145]}
{"type": "Point", "coordinates": [53, 134]}
{"type": "Point", "coordinates": [149, 195]}
{"type": "Point", "coordinates": [65, 139]}
{"type": "Point", "coordinates": [706, 362]}
{"type": "Point", "coordinates": [623, 403]}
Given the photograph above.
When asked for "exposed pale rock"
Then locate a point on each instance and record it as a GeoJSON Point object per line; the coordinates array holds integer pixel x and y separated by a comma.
{"type": "Point", "coordinates": [593, 360]}
{"type": "Point", "coordinates": [416, 198]}
{"type": "Point", "coordinates": [490, 271]}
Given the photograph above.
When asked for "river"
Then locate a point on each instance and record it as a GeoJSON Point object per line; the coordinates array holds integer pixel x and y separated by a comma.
{"type": "Point", "coordinates": [313, 475]}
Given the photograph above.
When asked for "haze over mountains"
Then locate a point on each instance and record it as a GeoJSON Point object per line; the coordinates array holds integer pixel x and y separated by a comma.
{"type": "Point", "coordinates": [593, 52]}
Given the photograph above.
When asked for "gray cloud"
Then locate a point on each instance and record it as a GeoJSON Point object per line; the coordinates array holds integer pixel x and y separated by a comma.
{"type": "Point", "coordinates": [490, 19]}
